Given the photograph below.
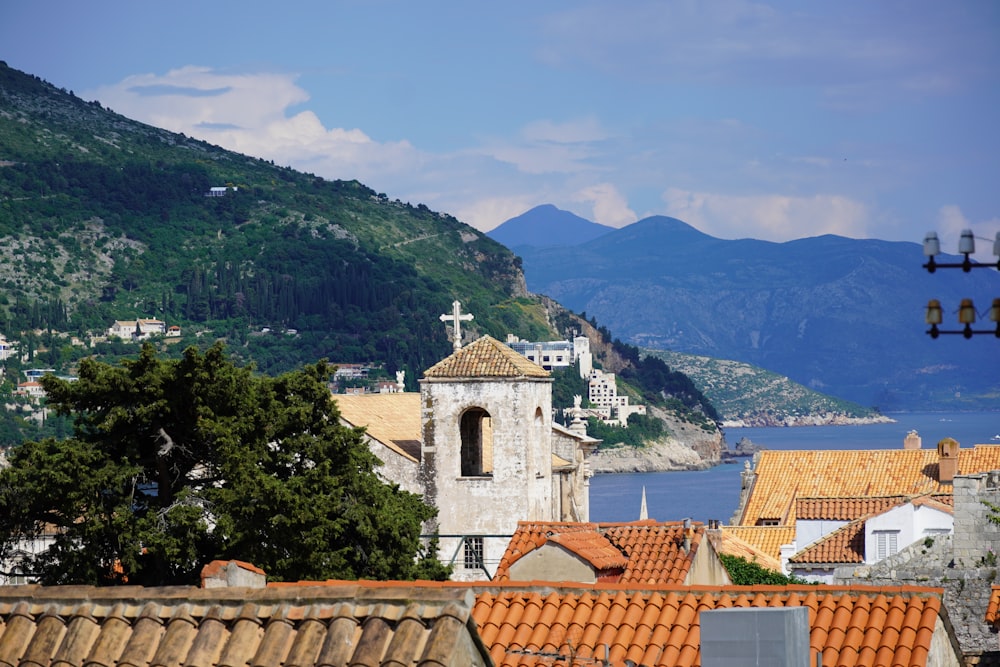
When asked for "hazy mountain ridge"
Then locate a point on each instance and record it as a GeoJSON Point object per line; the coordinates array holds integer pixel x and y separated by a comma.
{"type": "Point", "coordinates": [838, 315]}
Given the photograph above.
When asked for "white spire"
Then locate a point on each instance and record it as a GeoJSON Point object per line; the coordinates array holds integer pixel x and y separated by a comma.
{"type": "Point", "coordinates": [643, 512]}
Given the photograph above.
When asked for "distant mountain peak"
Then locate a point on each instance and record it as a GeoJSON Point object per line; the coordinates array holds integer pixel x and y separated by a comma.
{"type": "Point", "coordinates": [547, 226]}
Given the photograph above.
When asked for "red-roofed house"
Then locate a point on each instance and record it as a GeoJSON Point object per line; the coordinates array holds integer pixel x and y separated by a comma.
{"type": "Point", "coordinates": [645, 552]}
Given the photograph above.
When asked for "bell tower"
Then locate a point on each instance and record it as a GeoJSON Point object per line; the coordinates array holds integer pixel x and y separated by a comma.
{"type": "Point", "coordinates": [486, 453]}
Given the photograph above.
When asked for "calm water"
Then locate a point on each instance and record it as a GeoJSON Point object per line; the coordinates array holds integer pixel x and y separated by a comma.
{"type": "Point", "coordinates": [714, 493]}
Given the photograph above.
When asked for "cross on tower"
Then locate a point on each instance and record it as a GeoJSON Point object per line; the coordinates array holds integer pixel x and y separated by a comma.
{"type": "Point", "coordinates": [456, 318]}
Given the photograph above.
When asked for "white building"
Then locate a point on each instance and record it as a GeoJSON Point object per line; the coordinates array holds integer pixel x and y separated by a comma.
{"type": "Point", "coordinates": [555, 353]}
{"type": "Point", "coordinates": [6, 349]}
{"type": "Point", "coordinates": [137, 329]}
{"type": "Point", "coordinates": [602, 391]}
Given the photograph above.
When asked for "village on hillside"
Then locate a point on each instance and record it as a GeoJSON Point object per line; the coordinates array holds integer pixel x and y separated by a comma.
{"type": "Point", "coordinates": [886, 556]}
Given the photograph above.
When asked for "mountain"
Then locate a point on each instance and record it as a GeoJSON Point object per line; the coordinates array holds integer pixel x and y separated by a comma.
{"type": "Point", "coordinates": [841, 316]}
{"type": "Point", "coordinates": [545, 226]}
{"type": "Point", "coordinates": [105, 218]}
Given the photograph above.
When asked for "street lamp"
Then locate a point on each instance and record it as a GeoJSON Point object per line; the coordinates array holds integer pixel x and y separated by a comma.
{"type": "Point", "coordinates": [966, 316]}
{"type": "Point", "coordinates": [966, 247]}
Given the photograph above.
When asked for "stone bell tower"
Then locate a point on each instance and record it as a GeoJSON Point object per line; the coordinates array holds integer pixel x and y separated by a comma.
{"type": "Point", "coordinates": [486, 453]}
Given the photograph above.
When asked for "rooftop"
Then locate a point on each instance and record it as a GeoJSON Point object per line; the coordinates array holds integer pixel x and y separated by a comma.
{"type": "Point", "coordinates": [786, 475]}
{"type": "Point", "coordinates": [430, 623]}
{"type": "Point", "coordinates": [486, 357]}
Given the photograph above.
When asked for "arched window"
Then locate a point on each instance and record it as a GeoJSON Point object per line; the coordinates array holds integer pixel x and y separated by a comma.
{"type": "Point", "coordinates": [477, 443]}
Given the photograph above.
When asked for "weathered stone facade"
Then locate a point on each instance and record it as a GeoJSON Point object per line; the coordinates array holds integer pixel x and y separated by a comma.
{"type": "Point", "coordinates": [964, 564]}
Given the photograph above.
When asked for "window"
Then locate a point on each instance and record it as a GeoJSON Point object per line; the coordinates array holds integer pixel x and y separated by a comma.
{"type": "Point", "coordinates": [473, 553]}
{"type": "Point", "coordinates": [768, 522]}
{"type": "Point", "coordinates": [886, 543]}
{"type": "Point", "coordinates": [477, 443]}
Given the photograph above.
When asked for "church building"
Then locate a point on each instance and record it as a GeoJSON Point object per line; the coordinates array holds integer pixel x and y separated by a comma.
{"type": "Point", "coordinates": [478, 442]}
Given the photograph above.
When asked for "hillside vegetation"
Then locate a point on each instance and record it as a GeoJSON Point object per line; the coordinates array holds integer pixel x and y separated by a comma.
{"type": "Point", "coordinates": [103, 218]}
{"type": "Point", "coordinates": [746, 395]}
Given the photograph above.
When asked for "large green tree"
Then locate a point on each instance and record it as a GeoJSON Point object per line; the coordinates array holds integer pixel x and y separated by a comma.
{"type": "Point", "coordinates": [174, 463]}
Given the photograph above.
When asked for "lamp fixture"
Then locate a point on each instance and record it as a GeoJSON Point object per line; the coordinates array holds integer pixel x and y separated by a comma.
{"type": "Point", "coordinates": [966, 316]}
{"type": "Point", "coordinates": [966, 247]}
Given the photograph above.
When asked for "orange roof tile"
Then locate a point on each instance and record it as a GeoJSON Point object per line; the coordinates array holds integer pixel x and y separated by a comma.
{"type": "Point", "coordinates": [391, 419]}
{"type": "Point", "coordinates": [593, 547]}
{"type": "Point", "coordinates": [486, 357]}
{"type": "Point", "coordinates": [843, 545]}
{"type": "Point", "coordinates": [767, 539]}
{"type": "Point", "coordinates": [782, 476]}
{"type": "Point", "coordinates": [530, 624]}
{"type": "Point", "coordinates": [843, 509]}
{"type": "Point", "coordinates": [993, 609]}
{"type": "Point", "coordinates": [657, 554]}
{"type": "Point", "coordinates": [661, 627]}
{"type": "Point", "coordinates": [727, 543]}
{"type": "Point", "coordinates": [655, 551]}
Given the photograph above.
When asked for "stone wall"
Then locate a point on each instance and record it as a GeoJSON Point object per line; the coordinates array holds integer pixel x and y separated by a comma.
{"type": "Point", "coordinates": [963, 564]}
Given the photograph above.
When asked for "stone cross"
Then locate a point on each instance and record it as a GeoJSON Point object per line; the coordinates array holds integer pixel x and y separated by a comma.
{"type": "Point", "coordinates": [456, 319]}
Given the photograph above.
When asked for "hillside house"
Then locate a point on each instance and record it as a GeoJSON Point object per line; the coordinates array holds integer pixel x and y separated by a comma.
{"type": "Point", "coordinates": [140, 329]}
{"type": "Point", "coordinates": [221, 190]}
{"type": "Point", "coordinates": [7, 349]}
{"type": "Point", "coordinates": [32, 389]}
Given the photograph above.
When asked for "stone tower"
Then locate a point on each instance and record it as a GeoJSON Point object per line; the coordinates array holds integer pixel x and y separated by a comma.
{"type": "Point", "coordinates": [486, 453]}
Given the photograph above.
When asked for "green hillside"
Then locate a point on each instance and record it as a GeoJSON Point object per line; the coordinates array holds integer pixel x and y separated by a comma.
{"type": "Point", "coordinates": [105, 218]}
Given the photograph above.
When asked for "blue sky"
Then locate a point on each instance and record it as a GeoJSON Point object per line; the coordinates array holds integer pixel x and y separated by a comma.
{"type": "Point", "coordinates": [772, 120]}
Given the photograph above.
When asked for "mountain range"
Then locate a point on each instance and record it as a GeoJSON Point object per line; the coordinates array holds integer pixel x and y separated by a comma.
{"type": "Point", "coordinates": [839, 315]}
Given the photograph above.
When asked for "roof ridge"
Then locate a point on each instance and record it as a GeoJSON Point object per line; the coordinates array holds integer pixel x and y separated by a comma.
{"type": "Point", "coordinates": [486, 357]}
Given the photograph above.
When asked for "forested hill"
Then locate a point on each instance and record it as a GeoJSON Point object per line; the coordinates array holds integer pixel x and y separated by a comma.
{"type": "Point", "coordinates": [105, 218]}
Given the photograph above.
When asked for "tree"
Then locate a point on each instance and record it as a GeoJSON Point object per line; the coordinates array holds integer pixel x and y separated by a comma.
{"type": "Point", "coordinates": [174, 463]}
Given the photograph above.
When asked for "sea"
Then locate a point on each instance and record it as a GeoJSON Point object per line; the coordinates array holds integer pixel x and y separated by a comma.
{"type": "Point", "coordinates": [701, 495]}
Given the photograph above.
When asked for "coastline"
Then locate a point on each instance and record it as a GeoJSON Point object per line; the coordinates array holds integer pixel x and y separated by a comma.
{"type": "Point", "coordinates": [793, 421]}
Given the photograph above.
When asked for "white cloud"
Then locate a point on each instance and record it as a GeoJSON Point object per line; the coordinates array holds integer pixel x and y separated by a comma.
{"type": "Point", "coordinates": [609, 206]}
{"type": "Point", "coordinates": [950, 224]}
{"type": "Point", "coordinates": [248, 113]}
{"type": "Point", "coordinates": [768, 217]}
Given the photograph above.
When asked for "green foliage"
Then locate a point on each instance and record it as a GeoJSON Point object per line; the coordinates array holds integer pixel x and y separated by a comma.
{"type": "Point", "coordinates": [174, 463]}
{"type": "Point", "coordinates": [994, 512]}
{"type": "Point", "coordinates": [641, 430]}
{"type": "Point", "coordinates": [743, 572]}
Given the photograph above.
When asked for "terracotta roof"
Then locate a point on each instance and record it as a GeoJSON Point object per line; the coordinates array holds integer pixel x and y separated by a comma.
{"type": "Point", "coordinates": [843, 545]}
{"type": "Point", "coordinates": [767, 539]}
{"type": "Point", "coordinates": [661, 627]}
{"type": "Point", "coordinates": [529, 624]}
{"type": "Point", "coordinates": [843, 509]}
{"type": "Point", "coordinates": [993, 609]}
{"type": "Point", "coordinates": [726, 543]}
{"type": "Point", "coordinates": [529, 536]}
{"type": "Point", "coordinates": [848, 509]}
{"type": "Point", "coordinates": [486, 357]}
{"type": "Point", "coordinates": [337, 624]}
{"type": "Point", "coordinates": [656, 554]}
{"type": "Point", "coordinates": [592, 547]}
{"type": "Point", "coordinates": [655, 551]}
{"type": "Point", "coordinates": [391, 419]}
{"type": "Point", "coordinates": [784, 475]}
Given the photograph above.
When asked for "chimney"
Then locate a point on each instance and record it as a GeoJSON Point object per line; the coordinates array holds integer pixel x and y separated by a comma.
{"type": "Point", "coordinates": [232, 574]}
{"type": "Point", "coordinates": [912, 441]}
{"type": "Point", "coordinates": [687, 535]}
{"type": "Point", "coordinates": [947, 460]}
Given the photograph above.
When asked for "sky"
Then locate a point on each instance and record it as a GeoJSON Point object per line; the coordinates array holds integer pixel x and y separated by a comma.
{"type": "Point", "coordinates": [768, 120]}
